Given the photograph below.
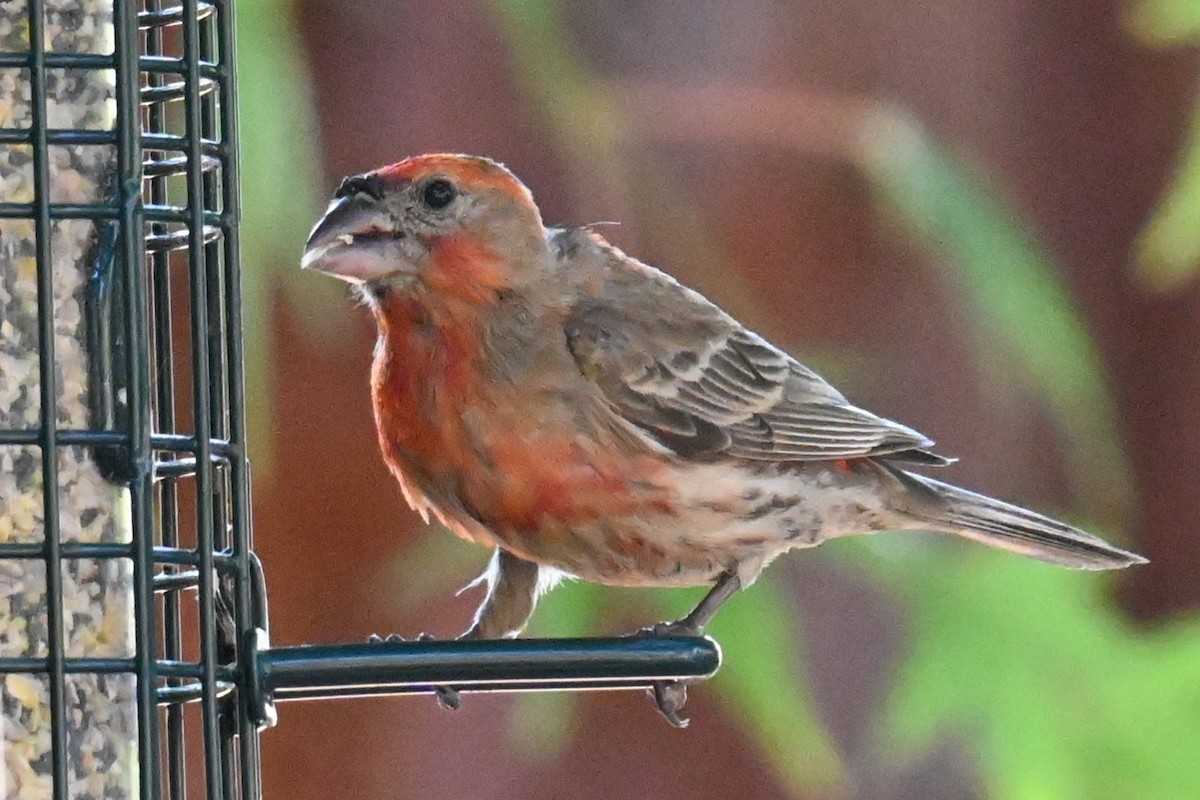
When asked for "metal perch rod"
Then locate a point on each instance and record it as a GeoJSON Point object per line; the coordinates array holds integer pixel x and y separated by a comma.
{"type": "Point", "coordinates": [321, 671]}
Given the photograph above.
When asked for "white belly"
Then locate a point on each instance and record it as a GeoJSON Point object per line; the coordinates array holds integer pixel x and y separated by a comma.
{"type": "Point", "coordinates": [731, 518]}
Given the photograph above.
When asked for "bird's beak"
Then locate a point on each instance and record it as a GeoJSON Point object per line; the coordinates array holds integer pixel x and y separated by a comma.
{"type": "Point", "coordinates": [357, 240]}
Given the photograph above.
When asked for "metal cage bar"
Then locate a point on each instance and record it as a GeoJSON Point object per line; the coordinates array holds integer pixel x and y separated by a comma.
{"type": "Point", "coordinates": [48, 428]}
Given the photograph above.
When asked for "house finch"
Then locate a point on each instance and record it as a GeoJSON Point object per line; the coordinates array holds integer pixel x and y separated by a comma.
{"type": "Point", "coordinates": [538, 391]}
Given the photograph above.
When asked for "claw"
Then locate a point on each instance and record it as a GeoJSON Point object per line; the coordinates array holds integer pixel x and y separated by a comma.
{"type": "Point", "coordinates": [670, 697]}
{"type": "Point", "coordinates": [677, 628]}
{"type": "Point", "coordinates": [447, 697]}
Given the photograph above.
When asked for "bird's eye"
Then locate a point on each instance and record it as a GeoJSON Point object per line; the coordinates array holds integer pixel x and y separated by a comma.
{"type": "Point", "coordinates": [438, 193]}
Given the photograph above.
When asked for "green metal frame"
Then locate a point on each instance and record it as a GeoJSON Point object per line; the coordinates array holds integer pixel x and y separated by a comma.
{"type": "Point", "coordinates": [144, 241]}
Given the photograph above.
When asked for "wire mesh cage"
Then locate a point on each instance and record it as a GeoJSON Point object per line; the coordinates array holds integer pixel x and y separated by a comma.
{"type": "Point", "coordinates": [132, 609]}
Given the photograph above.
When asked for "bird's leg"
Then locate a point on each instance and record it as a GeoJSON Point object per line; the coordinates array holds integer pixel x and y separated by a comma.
{"type": "Point", "coordinates": [671, 696]}
{"type": "Point", "coordinates": [697, 620]}
{"type": "Point", "coordinates": [512, 592]}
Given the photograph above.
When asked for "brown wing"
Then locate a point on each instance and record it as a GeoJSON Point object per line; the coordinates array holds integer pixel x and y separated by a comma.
{"type": "Point", "coordinates": [697, 382]}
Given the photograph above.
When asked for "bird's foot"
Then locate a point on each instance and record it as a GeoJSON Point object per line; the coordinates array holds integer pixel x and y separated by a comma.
{"type": "Point", "coordinates": [447, 697]}
{"type": "Point", "coordinates": [680, 627]}
{"type": "Point", "coordinates": [670, 696]}
{"type": "Point", "coordinates": [375, 638]}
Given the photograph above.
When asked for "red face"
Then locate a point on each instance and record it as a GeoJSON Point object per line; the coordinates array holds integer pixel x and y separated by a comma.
{"type": "Point", "coordinates": [389, 224]}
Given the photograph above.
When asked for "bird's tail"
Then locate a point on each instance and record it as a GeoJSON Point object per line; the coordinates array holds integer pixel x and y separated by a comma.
{"type": "Point", "coordinates": [944, 508]}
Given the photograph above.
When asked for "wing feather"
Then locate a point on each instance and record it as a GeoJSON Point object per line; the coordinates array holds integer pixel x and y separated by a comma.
{"type": "Point", "coordinates": [691, 378]}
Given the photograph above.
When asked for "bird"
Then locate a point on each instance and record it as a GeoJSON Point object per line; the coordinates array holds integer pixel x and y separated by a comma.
{"type": "Point", "coordinates": [540, 392]}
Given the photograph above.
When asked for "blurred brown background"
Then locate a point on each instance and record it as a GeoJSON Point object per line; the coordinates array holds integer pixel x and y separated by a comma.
{"type": "Point", "coordinates": [721, 137]}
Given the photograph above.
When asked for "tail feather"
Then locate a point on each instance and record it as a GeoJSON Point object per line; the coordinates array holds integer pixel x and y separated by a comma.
{"type": "Point", "coordinates": [950, 509]}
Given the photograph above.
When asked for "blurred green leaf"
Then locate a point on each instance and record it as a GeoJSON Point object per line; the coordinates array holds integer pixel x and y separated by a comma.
{"type": "Point", "coordinates": [1165, 22]}
{"type": "Point", "coordinates": [1015, 293]}
{"type": "Point", "coordinates": [572, 609]}
{"type": "Point", "coordinates": [762, 677]}
{"type": "Point", "coordinates": [1167, 250]}
{"type": "Point", "coordinates": [280, 170]}
{"type": "Point", "coordinates": [1060, 697]}
{"type": "Point", "coordinates": [430, 568]}
{"type": "Point", "coordinates": [596, 143]}
{"type": "Point", "coordinates": [542, 723]}
{"type": "Point", "coordinates": [558, 83]}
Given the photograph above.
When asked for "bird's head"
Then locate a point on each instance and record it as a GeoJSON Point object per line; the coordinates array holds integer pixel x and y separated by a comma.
{"type": "Point", "coordinates": [398, 225]}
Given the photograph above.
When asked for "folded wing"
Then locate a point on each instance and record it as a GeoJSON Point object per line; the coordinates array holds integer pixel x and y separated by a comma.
{"type": "Point", "coordinates": [695, 381]}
